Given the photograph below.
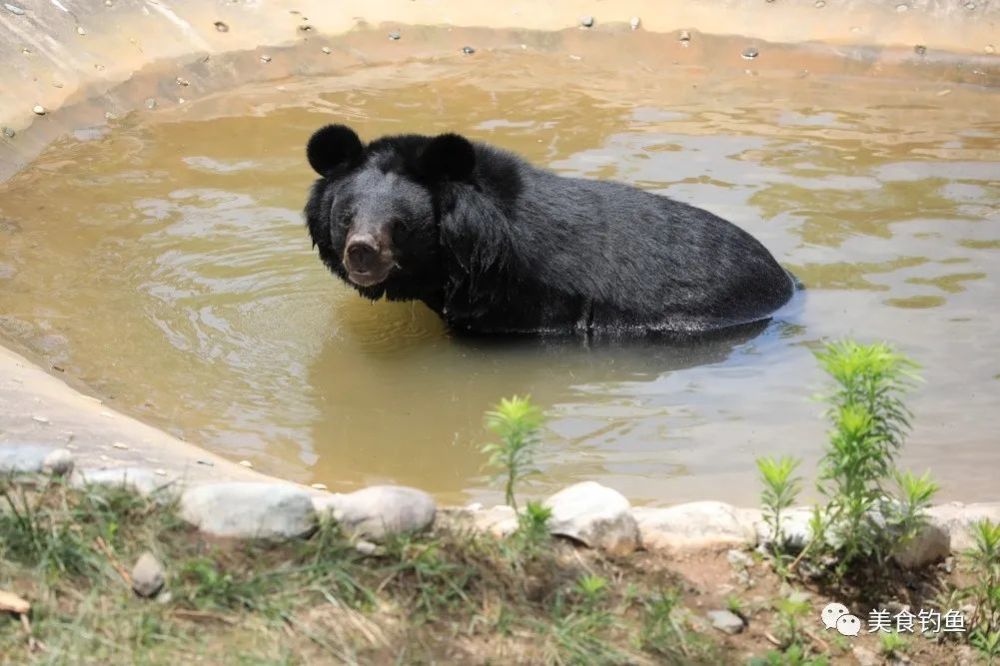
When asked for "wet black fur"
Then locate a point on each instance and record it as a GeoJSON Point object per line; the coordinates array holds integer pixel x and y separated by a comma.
{"type": "Point", "coordinates": [496, 245]}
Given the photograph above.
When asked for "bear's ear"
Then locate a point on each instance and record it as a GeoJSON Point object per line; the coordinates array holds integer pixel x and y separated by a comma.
{"type": "Point", "coordinates": [448, 156]}
{"type": "Point", "coordinates": [334, 148]}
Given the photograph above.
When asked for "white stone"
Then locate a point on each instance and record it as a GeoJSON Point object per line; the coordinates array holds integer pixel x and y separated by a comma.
{"type": "Point", "coordinates": [148, 576]}
{"type": "Point", "coordinates": [726, 621]}
{"type": "Point", "coordinates": [696, 525]}
{"type": "Point", "coordinates": [378, 511]}
{"type": "Point", "coordinates": [249, 510]}
{"type": "Point", "coordinates": [25, 458]}
{"type": "Point", "coordinates": [795, 529]}
{"type": "Point", "coordinates": [58, 463]}
{"type": "Point", "coordinates": [595, 515]}
{"type": "Point", "coordinates": [139, 480]}
{"type": "Point", "coordinates": [957, 519]}
{"type": "Point", "coordinates": [499, 520]}
{"type": "Point", "coordinates": [931, 544]}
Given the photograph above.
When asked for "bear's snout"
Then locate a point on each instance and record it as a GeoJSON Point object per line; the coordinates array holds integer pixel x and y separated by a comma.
{"type": "Point", "coordinates": [366, 260]}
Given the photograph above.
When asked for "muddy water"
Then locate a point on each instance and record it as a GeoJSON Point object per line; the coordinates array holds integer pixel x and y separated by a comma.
{"type": "Point", "coordinates": [165, 264]}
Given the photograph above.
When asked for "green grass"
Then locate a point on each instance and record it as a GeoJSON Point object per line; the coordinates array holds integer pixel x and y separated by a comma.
{"type": "Point", "coordinates": [443, 596]}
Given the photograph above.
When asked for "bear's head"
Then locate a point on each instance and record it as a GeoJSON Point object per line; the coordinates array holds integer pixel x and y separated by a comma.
{"type": "Point", "coordinates": [374, 212]}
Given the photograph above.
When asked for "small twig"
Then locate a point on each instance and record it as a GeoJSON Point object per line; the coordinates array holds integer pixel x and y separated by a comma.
{"type": "Point", "coordinates": [34, 645]}
{"type": "Point", "coordinates": [771, 638]}
{"type": "Point", "coordinates": [104, 548]}
{"type": "Point", "coordinates": [189, 614]}
{"type": "Point", "coordinates": [823, 646]}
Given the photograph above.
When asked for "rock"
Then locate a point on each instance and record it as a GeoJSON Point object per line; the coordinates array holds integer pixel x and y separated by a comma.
{"type": "Point", "coordinates": [794, 527]}
{"type": "Point", "coordinates": [80, 30]}
{"type": "Point", "coordinates": [634, 22]}
{"type": "Point", "coordinates": [34, 459]}
{"type": "Point", "coordinates": [379, 511]}
{"type": "Point", "coordinates": [58, 463]}
{"type": "Point", "coordinates": [684, 36]}
{"type": "Point", "coordinates": [864, 656]}
{"type": "Point", "coordinates": [148, 576]}
{"type": "Point", "coordinates": [957, 519]}
{"type": "Point", "coordinates": [931, 544]}
{"type": "Point", "coordinates": [739, 559]}
{"type": "Point", "coordinates": [151, 103]}
{"type": "Point", "coordinates": [12, 603]}
{"type": "Point", "coordinates": [920, 49]}
{"type": "Point", "coordinates": [366, 547]}
{"type": "Point", "coordinates": [327, 50]}
{"type": "Point", "coordinates": [394, 36]}
{"type": "Point", "coordinates": [221, 26]}
{"type": "Point", "coordinates": [140, 480]}
{"type": "Point", "coordinates": [246, 463]}
{"type": "Point", "coordinates": [468, 50]}
{"type": "Point", "coordinates": [594, 515]}
{"type": "Point", "coordinates": [14, 9]}
{"type": "Point", "coordinates": [696, 525]}
{"type": "Point", "coordinates": [587, 21]}
{"type": "Point", "coordinates": [265, 58]}
{"type": "Point", "coordinates": [249, 510]}
{"type": "Point", "coordinates": [9, 132]}
{"type": "Point", "coordinates": [750, 52]}
{"type": "Point", "coordinates": [500, 520]}
{"type": "Point", "coordinates": [726, 621]}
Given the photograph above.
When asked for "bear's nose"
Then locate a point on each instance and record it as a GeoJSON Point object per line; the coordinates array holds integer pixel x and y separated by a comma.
{"type": "Point", "coordinates": [362, 254]}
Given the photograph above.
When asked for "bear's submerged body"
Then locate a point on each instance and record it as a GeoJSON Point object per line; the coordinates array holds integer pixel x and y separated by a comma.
{"type": "Point", "coordinates": [496, 245]}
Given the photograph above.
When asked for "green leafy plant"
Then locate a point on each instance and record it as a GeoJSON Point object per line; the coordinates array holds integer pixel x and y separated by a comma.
{"type": "Point", "coordinates": [983, 560]}
{"type": "Point", "coordinates": [869, 423]}
{"type": "Point", "coordinates": [781, 489]}
{"type": "Point", "coordinates": [592, 589]}
{"type": "Point", "coordinates": [532, 527]}
{"type": "Point", "coordinates": [892, 644]}
{"type": "Point", "coordinates": [788, 627]}
{"type": "Point", "coordinates": [793, 655]}
{"type": "Point", "coordinates": [987, 644]}
{"type": "Point", "coordinates": [915, 497]}
{"type": "Point", "coordinates": [516, 421]}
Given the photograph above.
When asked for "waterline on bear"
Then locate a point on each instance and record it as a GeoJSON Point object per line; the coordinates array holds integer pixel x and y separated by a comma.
{"type": "Point", "coordinates": [495, 245]}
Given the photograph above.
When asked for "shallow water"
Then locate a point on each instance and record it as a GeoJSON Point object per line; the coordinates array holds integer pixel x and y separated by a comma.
{"type": "Point", "coordinates": [166, 264]}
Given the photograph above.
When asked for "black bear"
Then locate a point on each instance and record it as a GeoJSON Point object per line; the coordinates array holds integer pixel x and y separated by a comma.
{"type": "Point", "coordinates": [495, 245]}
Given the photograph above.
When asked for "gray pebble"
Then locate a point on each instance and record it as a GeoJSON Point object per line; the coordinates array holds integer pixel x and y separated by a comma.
{"type": "Point", "coordinates": [8, 132]}
{"type": "Point", "coordinates": [587, 21]}
{"type": "Point", "coordinates": [14, 9]}
{"type": "Point", "coordinates": [265, 58]}
{"type": "Point", "coordinates": [326, 50]}
{"type": "Point", "coordinates": [726, 621]}
{"type": "Point", "coordinates": [750, 53]}
{"type": "Point", "coordinates": [468, 50]}
{"type": "Point", "coordinates": [39, 110]}
{"type": "Point", "coordinates": [394, 35]}
{"type": "Point", "coordinates": [365, 547]}
{"type": "Point", "coordinates": [148, 576]}
{"type": "Point", "coordinates": [58, 463]}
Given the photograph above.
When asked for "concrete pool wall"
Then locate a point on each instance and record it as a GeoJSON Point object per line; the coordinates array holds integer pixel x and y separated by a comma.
{"type": "Point", "coordinates": [68, 65]}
